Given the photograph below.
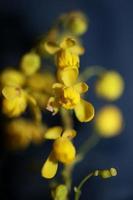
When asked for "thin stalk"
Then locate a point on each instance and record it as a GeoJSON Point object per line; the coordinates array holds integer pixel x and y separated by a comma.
{"type": "Point", "coordinates": [89, 72]}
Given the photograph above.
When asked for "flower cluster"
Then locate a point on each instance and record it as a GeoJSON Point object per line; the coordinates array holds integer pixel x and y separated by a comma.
{"type": "Point", "coordinates": [30, 90]}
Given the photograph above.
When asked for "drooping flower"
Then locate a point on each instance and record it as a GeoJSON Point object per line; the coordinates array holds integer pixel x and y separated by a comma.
{"type": "Point", "coordinates": [70, 98]}
{"type": "Point", "coordinates": [63, 150]}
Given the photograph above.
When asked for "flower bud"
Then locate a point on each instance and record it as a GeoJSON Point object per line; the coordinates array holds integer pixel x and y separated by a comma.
{"type": "Point", "coordinates": [30, 63]}
{"type": "Point", "coordinates": [110, 86]}
{"type": "Point", "coordinates": [109, 121]}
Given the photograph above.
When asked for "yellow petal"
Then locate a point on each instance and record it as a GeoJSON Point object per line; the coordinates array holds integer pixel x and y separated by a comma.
{"type": "Point", "coordinates": [67, 43]}
{"type": "Point", "coordinates": [70, 133]}
{"type": "Point", "coordinates": [51, 47]}
{"type": "Point", "coordinates": [78, 50]}
{"type": "Point", "coordinates": [84, 111]}
{"type": "Point", "coordinates": [10, 92]}
{"type": "Point", "coordinates": [68, 75]}
{"type": "Point", "coordinates": [52, 105]}
{"type": "Point", "coordinates": [81, 87]}
{"type": "Point", "coordinates": [49, 168]}
{"type": "Point", "coordinates": [53, 133]}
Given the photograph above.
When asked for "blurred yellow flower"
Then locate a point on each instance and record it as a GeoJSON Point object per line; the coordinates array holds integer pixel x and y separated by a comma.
{"type": "Point", "coordinates": [63, 150]}
{"type": "Point", "coordinates": [110, 86]}
{"type": "Point", "coordinates": [14, 102]}
{"type": "Point", "coordinates": [109, 121]}
{"type": "Point", "coordinates": [60, 192]}
{"type": "Point", "coordinates": [30, 63]}
{"type": "Point", "coordinates": [21, 132]}
{"type": "Point", "coordinates": [70, 98]}
{"type": "Point", "coordinates": [12, 77]}
{"type": "Point", "coordinates": [76, 22]}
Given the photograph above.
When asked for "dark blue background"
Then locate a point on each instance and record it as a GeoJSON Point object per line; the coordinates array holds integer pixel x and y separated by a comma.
{"type": "Point", "coordinates": [109, 42]}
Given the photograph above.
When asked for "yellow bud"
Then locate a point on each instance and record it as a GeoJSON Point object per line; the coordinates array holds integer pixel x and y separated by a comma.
{"type": "Point", "coordinates": [30, 63]}
{"type": "Point", "coordinates": [60, 192]}
{"type": "Point", "coordinates": [77, 23]}
{"type": "Point", "coordinates": [64, 150]}
{"type": "Point", "coordinates": [65, 58]}
{"type": "Point", "coordinates": [109, 121]}
{"type": "Point", "coordinates": [12, 77]}
{"type": "Point", "coordinates": [110, 86]}
{"type": "Point", "coordinates": [13, 104]}
{"type": "Point", "coordinates": [18, 135]}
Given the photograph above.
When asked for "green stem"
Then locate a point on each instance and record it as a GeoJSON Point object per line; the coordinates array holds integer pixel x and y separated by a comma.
{"type": "Point", "coordinates": [78, 189]}
{"type": "Point", "coordinates": [66, 119]}
{"type": "Point", "coordinates": [88, 145]}
{"type": "Point", "coordinates": [89, 72]}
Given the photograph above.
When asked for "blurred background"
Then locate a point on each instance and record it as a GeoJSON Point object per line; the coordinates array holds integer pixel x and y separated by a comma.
{"type": "Point", "coordinates": [109, 43]}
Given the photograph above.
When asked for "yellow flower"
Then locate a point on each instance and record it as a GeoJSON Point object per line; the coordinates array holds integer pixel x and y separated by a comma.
{"type": "Point", "coordinates": [20, 133]}
{"type": "Point", "coordinates": [63, 150]}
{"type": "Point", "coordinates": [12, 77]}
{"type": "Point", "coordinates": [14, 102]}
{"type": "Point", "coordinates": [66, 59]}
{"type": "Point", "coordinates": [109, 121]}
{"type": "Point", "coordinates": [110, 86]}
{"type": "Point", "coordinates": [30, 63]}
{"type": "Point", "coordinates": [70, 98]}
{"type": "Point", "coordinates": [76, 22]}
{"type": "Point", "coordinates": [41, 98]}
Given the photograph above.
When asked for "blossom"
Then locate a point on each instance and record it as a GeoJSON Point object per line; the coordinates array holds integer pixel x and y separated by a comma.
{"type": "Point", "coordinates": [63, 150]}
{"type": "Point", "coordinates": [110, 85]}
{"type": "Point", "coordinates": [21, 132]}
{"type": "Point", "coordinates": [66, 59]}
{"type": "Point", "coordinates": [30, 63]}
{"type": "Point", "coordinates": [109, 121]}
{"type": "Point", "coordinates": [70, 98]}
{"type": "Point", "coordinates": [14, 102]}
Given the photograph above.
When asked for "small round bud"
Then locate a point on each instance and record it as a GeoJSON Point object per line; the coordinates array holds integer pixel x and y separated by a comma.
{"type": "Point", "coordinates": [77, 23]}
{"type": "Point", "coordinates": [30, 63]}
{"type": "Point", "coordinates": [110, 86]}
{"type": "Point", "coordinates": [109, 121]}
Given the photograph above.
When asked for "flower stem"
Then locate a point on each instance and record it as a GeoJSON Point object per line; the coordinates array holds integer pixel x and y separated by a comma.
{"type": "Point", "coordinates": [89, 72]}
{"type": "Point", "coordinates": [78, 189]}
